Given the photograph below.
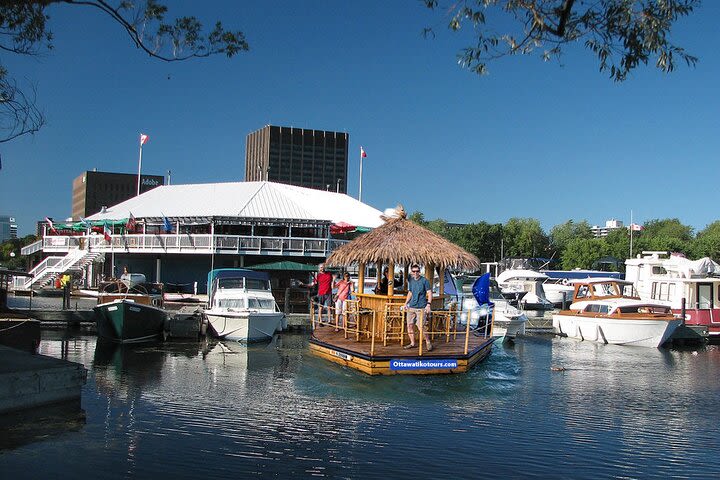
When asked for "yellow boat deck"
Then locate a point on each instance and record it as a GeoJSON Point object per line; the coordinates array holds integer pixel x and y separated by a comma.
{"type": "Point", "coordinates": [375, 345]}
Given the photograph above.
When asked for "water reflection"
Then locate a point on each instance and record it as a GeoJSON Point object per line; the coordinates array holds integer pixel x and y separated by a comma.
{"type": "Point", "coordinates": [40, 424]}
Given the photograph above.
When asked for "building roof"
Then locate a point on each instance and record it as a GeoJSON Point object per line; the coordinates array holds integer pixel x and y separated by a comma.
{"type": "Point", "coordinates": [261, 200]}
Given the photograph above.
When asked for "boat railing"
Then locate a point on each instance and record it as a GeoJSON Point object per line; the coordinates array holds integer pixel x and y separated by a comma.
{"type": "Point", "coordinates": [369, 325]}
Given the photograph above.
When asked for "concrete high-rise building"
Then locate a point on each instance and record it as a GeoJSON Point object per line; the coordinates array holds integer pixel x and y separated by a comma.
{"type": "Point", "coordinates": [298, 156]}
{"type": "Point", "coordinates": [93, 190]}
{"type": "Point", "coordinates": [8, 228]}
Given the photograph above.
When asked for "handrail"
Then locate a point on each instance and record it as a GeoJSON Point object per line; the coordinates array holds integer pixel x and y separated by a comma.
{"type": "Point", "coordinates": [186, 243]}
{"type": "Point", "coordinates": [32, 248]}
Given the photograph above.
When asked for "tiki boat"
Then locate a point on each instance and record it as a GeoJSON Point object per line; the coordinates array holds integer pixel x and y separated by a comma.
{"type": "Point", "coordinates": [371, 335]}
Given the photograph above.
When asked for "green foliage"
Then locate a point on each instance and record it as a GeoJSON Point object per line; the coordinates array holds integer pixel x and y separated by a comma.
{"type": "Point", "coordinates": [524, 237]}
{"type": "Point", "coordinates": [583, 252]}
{"type": "Point", "coordinates": [10, 252]}
{"type": "Point", "coordinates": [707, 242]}
{"type": "Point", "coordinates": [561, 234]}
{"type": "Point", "coordinates": [24, 30]}
{"type": "Point", "coordinates": [623, 34]}
{"type": "Point", "coordinates": [573, 242]}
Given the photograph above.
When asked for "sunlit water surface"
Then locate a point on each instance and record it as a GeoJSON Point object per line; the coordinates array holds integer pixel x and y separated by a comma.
{"type": "Point", "coordinates": [222, 410]}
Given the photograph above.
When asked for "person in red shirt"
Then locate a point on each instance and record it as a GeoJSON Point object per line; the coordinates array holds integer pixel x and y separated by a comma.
{"type": "Point", "coordinates": [324, 282]}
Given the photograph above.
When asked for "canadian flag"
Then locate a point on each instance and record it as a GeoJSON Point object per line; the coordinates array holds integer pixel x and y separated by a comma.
{"type": "Point", "coordinates": [636, 228]}
{"type": "Point", "coordinates": [50, 224]}
{"type": "Point", "coordinates": [362, 152]}
{"type": "Point", "coordinates": [143, 139]}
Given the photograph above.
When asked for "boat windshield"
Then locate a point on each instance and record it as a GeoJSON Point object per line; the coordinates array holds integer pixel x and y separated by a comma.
{"type": "Point", "coordinates": [261, 303]}
{"type": "Point", "coordinates": [248, 283]}
{"type": "Point", "coordinates": [657, 309]}
{"type": "Point", "coordinates": [231, 303]}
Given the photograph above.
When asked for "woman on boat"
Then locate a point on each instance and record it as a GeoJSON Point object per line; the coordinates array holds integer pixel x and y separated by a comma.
{"type": "Point", "coordinates": [344, 290]}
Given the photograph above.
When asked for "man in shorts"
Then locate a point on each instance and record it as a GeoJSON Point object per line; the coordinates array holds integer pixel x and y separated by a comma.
{"type": "Point", "coordinates": [324, 281]}
{"type": "Point", "coordinates": [417, 305]}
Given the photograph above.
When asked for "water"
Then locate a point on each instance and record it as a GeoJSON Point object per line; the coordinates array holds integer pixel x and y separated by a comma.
{"type": "Point", "coordinates": [215, 410]}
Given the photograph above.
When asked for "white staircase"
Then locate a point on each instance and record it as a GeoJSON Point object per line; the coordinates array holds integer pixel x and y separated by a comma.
{"type": "Point", "coordinates": [50, 267]}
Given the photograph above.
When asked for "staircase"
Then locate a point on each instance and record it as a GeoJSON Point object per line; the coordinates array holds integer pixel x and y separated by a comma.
{"type": "Point", "coordinates": [51, 267]}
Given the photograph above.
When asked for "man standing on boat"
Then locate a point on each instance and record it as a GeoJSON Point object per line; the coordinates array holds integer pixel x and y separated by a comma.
{"type": "Point", "coordinates": [324, 281]}
{"type": "Point", "coordinates": [417, 305]}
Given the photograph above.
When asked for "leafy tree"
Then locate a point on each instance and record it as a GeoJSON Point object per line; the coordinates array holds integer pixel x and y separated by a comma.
{"type": "Point", "coordinates": [618, 243]}
{"type": "Point", "coordinates": [24, 30]}
{"type": "Point", "coordinates": [665, 235]}
{"type": "Point", "coordinates": [561, 234]}
{"type": "Point", "coordinates": [10, 251]}
{"type": "Point", "coordinates": [707, 242]}
{"type": "Point", "coordinates": [524, 237]}
{"type": "Point", "coordinates": [621, 33]}
{"type": "Point", "coordinates": [583, 252]}
{"type": "Point", "coordinates": [481, 239]}
{"type": "Point", "coordinates": [418, 218]}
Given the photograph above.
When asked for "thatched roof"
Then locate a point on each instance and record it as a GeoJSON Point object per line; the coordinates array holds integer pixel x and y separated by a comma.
{"type": "Point", "coordinates": [401, 241]}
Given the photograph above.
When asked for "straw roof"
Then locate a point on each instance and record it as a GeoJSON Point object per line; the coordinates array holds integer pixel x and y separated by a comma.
{"type": "Point", "coordinates": [402, 241]}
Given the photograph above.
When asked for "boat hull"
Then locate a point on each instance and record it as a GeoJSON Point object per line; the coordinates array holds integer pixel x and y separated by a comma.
{"type": "Point", "coordinates": [244, 326]}
{"type": "Point", "coordinates": [124, 321]}
{"type": "Point", "coordinates": [637, 332]}
{"type": "Point", "coordinates": [509, 328]}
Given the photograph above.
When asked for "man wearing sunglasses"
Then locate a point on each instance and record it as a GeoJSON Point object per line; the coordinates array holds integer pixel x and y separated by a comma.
{"type": "Point", "coordinates": [417, 305]}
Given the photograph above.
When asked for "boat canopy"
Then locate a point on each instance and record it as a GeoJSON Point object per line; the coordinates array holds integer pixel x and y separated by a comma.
{"type": "Point", "coordinates": [221, 273]}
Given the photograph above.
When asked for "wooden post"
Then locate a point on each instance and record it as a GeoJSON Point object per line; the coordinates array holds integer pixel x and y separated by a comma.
{"type": "Point", "coordinates": [372, 338]}
{"type": "Point", "coordinates": [361, 278]}
{"type": "Point", "coordinates": [391, 280]}
{"type": "Point", "coordinates": [406, 272]}
{"type": "Point", "coordinates": [467, 333]}
{"type": "Point", "coordinates": [442, 280]}
{"type": "Point", "coordinates": [378, 272]}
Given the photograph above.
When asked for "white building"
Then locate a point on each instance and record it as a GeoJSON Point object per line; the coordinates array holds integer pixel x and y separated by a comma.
{"type": "Point", "coordinates": [610, 225]}
{"type": "Point", "coordinates": [177, 233]}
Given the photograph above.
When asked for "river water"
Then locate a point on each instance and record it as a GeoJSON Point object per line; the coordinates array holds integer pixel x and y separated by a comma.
{"type": "Point", "coordinates": [207, 409]}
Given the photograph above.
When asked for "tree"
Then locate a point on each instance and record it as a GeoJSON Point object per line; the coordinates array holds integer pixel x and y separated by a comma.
{"type": "Point", "coordinates": [524, 237]}
{"type": "Point", "coordinates": [561, 234]}
{"type": "Point", "coordinates": [24, 31]}
{"type": "Point", "coordinates": [583, 252]}
{"type": "Point", "coordinates": [707, 242]}
{"type": "Point", "coordinates": [665, 235]}
{"type": "Point", "coordinates": [623, 34]}
{"type": "Point", "coordinates": [481, 239]}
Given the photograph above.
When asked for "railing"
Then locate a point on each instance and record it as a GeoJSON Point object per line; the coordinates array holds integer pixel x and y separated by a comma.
{"type": "Point", "coordinates": [49, 265]}
{"type": "Point", "coordinates": [186, 243]}
{"type": "Point", "coordinates": [32, 248]}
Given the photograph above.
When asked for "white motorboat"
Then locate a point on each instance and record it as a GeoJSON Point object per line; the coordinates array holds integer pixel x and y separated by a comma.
{"type": "Point", "coordinates": [668, 279]}
{"type": "Point", "coordinates": [241, 305]}
{"type": "Point", "coordinates": [508, 322]}
{"type": "Point", "coordinates": [609, 311]}
{"type": "Point", "coordinates": [527, 287]}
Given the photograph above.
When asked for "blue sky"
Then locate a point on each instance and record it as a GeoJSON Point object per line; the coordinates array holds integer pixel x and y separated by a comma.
{"type": "Point", "coordinates": [533, 139]}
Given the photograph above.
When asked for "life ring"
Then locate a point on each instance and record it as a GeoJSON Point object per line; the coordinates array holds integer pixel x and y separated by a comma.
{"type": "Point", "coordinates": [565, 281]}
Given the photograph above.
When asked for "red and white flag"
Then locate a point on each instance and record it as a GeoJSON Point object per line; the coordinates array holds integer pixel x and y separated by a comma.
{"type": "Point", "coordinates": [362, 153]}
{"type": "Point", "coordinates": [143, 139]}
{"type": "Point", "coordinates": [52, 227]}
{"type": "Point", "coordinates": [130, 225]}
{"type": "Point", "coordinates": [107, 232]}
{"type": "Point", "coordinates": [636, 228]}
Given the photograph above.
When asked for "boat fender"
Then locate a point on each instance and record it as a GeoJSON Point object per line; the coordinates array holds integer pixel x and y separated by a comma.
{"type": "Point", "coordinates": [156, 302]}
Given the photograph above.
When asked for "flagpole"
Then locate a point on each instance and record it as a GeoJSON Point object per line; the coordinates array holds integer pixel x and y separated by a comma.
{"type": "Point", "coordinates": [139, 168]}
{"type": "Point", "coordinates": [632, 226]}
{"type": "Point", "coordinates": [360, 191]}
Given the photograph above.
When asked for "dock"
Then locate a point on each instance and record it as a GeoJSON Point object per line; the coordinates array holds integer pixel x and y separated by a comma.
{"type": "Point", "coordinates": [28, 381]}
